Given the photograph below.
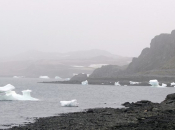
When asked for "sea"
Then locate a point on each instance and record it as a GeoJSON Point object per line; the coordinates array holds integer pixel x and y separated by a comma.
{"type": "Point", "coordinates": [14, 113]}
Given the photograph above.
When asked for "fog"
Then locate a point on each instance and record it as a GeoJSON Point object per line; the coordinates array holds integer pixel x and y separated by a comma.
{"type": "Point", "coordinates": [122, 27]}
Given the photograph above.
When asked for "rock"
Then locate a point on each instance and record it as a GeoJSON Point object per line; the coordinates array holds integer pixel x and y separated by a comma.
{"type": "Point", "coordinates": [80, 77]}
{"type": "Point", "coordinates": [158, 60]}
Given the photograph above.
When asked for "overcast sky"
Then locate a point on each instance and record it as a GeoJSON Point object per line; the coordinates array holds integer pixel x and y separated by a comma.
{"type": "Point", "coordinates": [122, 27]}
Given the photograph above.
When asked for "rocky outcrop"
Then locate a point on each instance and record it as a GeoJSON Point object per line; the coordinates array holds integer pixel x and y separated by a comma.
{"type": "Point", "coordinates": [158, 60]}
{"type": "Point", "coordinates": [80, 77]}
{"type": "Point", "coordinates": [161, 51]}
{"type": "Point", "coordinates": [108, 71]}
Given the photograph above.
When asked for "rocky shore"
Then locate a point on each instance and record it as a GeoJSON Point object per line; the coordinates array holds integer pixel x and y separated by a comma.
{"type": "Point", "coordinates": [141, 115]}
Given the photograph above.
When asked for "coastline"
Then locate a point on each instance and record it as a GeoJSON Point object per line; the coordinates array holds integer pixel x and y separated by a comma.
{"type": "Point", "coordinates": [141, 115]}
{"type": "Point", "coordinates": [144, 80]}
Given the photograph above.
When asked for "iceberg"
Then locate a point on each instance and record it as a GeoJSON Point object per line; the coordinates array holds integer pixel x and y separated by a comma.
{"type": "Point", "coordinates": [131, 82]}
{"type": "Point", "coordinates": [72, 103]}
{"type": "Point", "coordinates": [173, 84]}
{"type": "Point", "coordinates": [18, 76]}
{"type": "Point", "coordinates": [164, 85]}
{"type": "Point", "coordinates": [44, 77]}
{"type": "Point", "coordinates": [84, 82]}
{"type": "Point", "coordinates": [6, 93]}
{"type": "Point", "coordinates": [155, 83]}
{"type": "Point", "coordinates": [117, 84]}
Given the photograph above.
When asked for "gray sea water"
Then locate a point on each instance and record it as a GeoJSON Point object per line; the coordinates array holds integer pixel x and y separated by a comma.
{"type": "Point", "coordinates": [49, 95]}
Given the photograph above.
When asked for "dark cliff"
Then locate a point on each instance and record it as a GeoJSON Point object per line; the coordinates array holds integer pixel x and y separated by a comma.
{"type": "Point", "coordinates": [158, 60]}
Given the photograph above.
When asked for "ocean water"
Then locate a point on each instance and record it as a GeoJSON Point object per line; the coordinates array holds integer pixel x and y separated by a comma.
{"type": "Point", "coordinates": [88, 96]}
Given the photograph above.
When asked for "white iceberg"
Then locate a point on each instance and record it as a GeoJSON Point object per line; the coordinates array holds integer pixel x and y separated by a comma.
{"type": "Point", "coordinates": [6, 93]}
{"type": "Point", "coordinates": [131, 82]}
{"type": "Point", "coordinates": [117, 84]}
{"type": "Point", "coordinates": [173, 84]}
{"type": "Point", "coordinates": [72, 103]}
{"type": "Point", "coordinates": [84, 82]}
{"type": "Point", "coordinates": [88, 75]}
{"type": "Point", "coordinates": [155, 83]}
{"type": "Point", "coordinates": [6, 88]}
{"type": "Point", "coordinates": [44, 77]}
{"type": "Point", "coordinates": [18, 76]}
{"type": "Point", "coordinates": [164, 85]}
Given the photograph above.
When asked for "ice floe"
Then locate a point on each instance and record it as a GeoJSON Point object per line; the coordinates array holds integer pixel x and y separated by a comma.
{"type": "Point", "coordinates": [131, 82]}
{"type": "Point", "coordinates": [117, 84]}
{"type": "Point", "coordinates": [173, 84]}
{"type": "Point", "coordinates": [155, 83]}
{"type": "Point", "coordinates": [44, 77]}
{"type": "Point", "coordinates": [72, 103]}
{"type": "Point", "coordinates": [84, 82]}
{"type": "Point", "coordinates": [18, 76]}
{"type": "Point", "coordinates": [6, 93]}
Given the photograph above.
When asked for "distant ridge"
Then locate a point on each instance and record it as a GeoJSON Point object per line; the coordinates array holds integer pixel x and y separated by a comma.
{"type": "Point", "coordinates": [36, 63]}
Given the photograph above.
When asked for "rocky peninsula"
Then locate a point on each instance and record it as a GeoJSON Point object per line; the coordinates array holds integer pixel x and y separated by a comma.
{"type": "Point", "coordinates": [141, 115]}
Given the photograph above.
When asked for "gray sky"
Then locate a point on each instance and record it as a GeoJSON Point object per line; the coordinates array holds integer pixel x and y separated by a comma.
{"type": "Point", "coordinates": [122, 27]}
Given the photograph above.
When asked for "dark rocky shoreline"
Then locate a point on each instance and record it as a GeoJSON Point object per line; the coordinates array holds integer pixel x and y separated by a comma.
{"type": "Point", "coordinates": [122, 81]}
{"type": "Point", "coordinates": [142, 115]}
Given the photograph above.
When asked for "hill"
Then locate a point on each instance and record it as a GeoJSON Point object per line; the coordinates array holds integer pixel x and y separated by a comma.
{"type": "Point", "coordinates": [158, 60]}
{"type": "Point", "coordinates": [36, 63]}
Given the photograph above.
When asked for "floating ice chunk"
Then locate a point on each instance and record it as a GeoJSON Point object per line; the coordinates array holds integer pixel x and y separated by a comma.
{"type": "Point", "coordinates": [15, 76]}
{"type": "Point", "coordinates": [72, 103]}
{"type": "Point", "coordinates": [131, 82]}
{"type": "Point", "coordinates": [117, 84]}
{"type": "Point", "coordinates": [155, 83]}
{"type": "Point", "coordinates": [164, 85]}
{"type": "Point", "coordinates": [125, 85]}
{"type": "Point", "coordinates": [6, 88]}
{"type": "Point", "coordinates": [173, 84]}
{"type": "Point", "coordinates": [44, 77]}
{"type": "Point", "coordinates": [84, 82]}
{"type": "Point", "coordinates": [18, 76]}
{"type": "Point", "coordinates": [7, 94]}
{"type": "Point", "coordinates": [88, 75]}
